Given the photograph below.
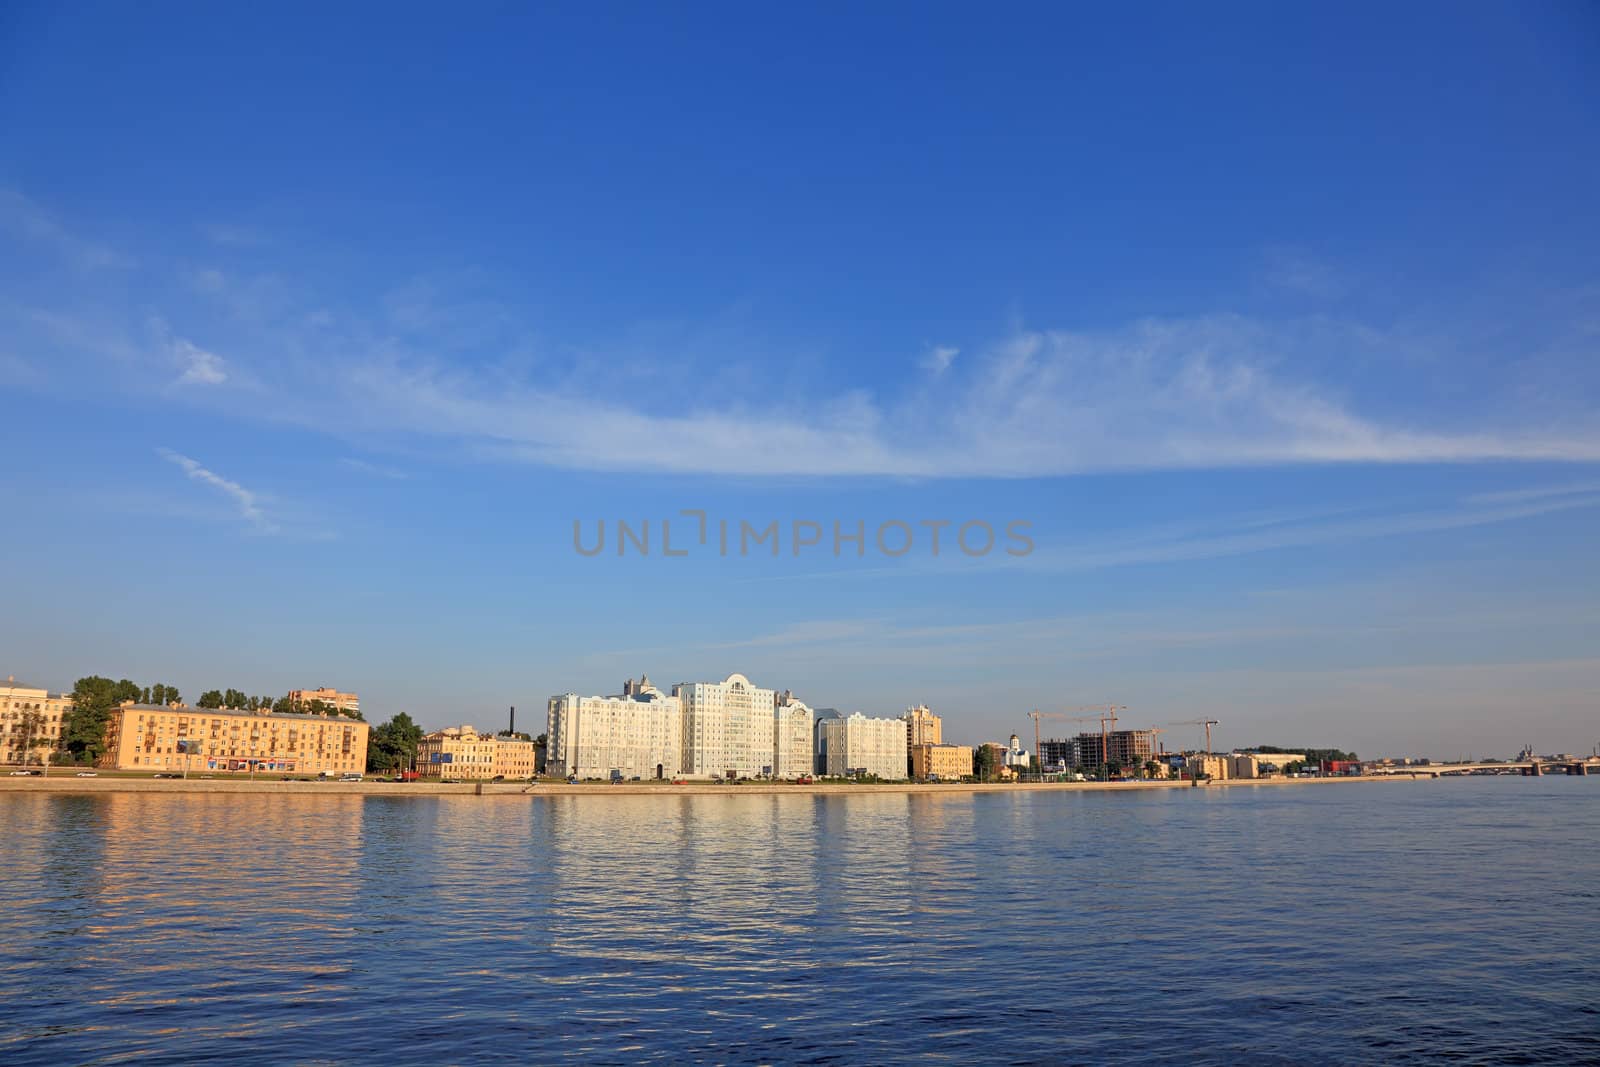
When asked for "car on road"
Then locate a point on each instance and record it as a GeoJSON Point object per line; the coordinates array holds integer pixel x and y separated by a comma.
{"type": "Point", "coordinates": [88, 774]}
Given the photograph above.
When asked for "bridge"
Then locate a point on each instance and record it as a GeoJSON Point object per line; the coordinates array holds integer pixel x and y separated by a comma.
{"type": "Point", "coordinates": [1531, 768]}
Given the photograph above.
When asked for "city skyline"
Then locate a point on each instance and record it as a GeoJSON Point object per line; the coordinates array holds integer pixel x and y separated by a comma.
{"type": "Point", "coordinates": [1283, 343]}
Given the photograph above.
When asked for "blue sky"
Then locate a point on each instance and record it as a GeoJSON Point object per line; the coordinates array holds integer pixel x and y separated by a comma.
{"type": "Point", "coordinates": [320, 329]}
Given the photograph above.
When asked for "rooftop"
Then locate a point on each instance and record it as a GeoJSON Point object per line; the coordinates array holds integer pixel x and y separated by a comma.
{"type": "Point", "coordinates": [185, 709]}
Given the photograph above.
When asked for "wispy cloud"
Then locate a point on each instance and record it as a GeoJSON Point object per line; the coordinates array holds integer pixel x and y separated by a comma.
{"type": "Point", "coordinates": [1226, 540]}
{"type": "Point", "coordinates": [1190, 394]}
{"type": "Point", "coordinates": [1203, 392]}
{"type": "Point", "coordinates": [937, 359]}
{"type": "Point", "coordinates": [1298, 271]}
{"type": "Point", "coordinates": [230, 235]}
{"type": "Point", "coordinates": [1538, 492]}
{"type": "Point", "coordinates": [244, 500]}
{"type": "Point", "coordinates": [22, 216]}
{"type": "Point", "coordinates": [200, 367]}
{"type": "Point", "coordinates": [376, 470]}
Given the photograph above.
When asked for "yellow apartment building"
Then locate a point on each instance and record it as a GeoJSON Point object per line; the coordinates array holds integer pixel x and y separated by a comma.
{"type": "Point", "coordinates": [31, 721]}
{"type": "Point", "coordinates": [945, 762]}
{"type": "Point", "coordinates": [223, 740]}
{"type": "Point", "coordinates": [1218, 768]}
{"type": "Point", "coordinates": [461, 753]}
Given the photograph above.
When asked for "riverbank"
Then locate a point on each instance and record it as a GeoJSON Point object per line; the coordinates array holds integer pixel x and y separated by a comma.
{"type": "Point", "coordinates": [67, 784]}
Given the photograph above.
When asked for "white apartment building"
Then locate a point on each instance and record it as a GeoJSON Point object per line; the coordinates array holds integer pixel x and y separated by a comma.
{"type": "Point", "coordinates": [791, 738]}
{"type": "Point", "coordinates": [856, 745]}
{"type": "Point", "coordinates": [637, 734]}
{"type": "Point", "coordinates": [727, 728]}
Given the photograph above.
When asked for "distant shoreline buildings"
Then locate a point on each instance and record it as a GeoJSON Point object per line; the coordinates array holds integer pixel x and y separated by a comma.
{"type": "Point", "coordinates": [737, 729]}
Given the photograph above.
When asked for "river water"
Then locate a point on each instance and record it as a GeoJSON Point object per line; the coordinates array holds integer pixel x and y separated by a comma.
{"type": "Point", "coordinates": [1361, 923]}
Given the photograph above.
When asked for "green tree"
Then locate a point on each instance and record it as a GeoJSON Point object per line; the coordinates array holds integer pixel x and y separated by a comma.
{"type": "Point", "coordinates": [392, 747]}
{"type": "Point", "coordinates": [83, 735]}
{"type": "Point", "coordinates": [161, 693]}
{"type": "Point", "coordinates": [284, 704]}
{"type": "Point", "coordinates": [983, 763]}
{"type": "Point", "coordinates": [233, 699]}
{"type": "Point", "coordinates": [211, 698]}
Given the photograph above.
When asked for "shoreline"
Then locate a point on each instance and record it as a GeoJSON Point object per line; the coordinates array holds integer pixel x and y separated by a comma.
{"type": "Point", "coordinates": [70, 785]}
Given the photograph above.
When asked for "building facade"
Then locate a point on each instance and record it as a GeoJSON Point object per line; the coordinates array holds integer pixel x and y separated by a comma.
{"type": "Point", "coordinates": [302, 698]}
{"type": "Point", "coordinates": [727, 728]}
{"type": "Point", "coordinates": [923, 727]}
{"type": "Point", "coordinates": [1056, 755]}
{"type": "Point", "coordinates": [462, 754]}
{"type": "Point", "coordinates": [31, 722]}
{"type": "Point", "coordinates": [638, 734]}
{"type": "Point", "coordinates": [857, 746]}
{"type": "Point", "coordinates": [1203, 766]}
{"type": "Point", "coordinates": [1126, 748]}
{"type": "Point", "coordinates": [791, 737]}
{"type": "Point", "coordinates": [945, 763]}
{"type": "Point", "coordinates": [1265, 764]}
{"type": "Point", "coordinates": [213, 740]}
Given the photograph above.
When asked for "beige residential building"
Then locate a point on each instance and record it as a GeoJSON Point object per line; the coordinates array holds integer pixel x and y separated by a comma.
{"type": "Point", "coordinates": [461, 753]}
{"type": "Point", "coordinates": [942, 762]}
{"type": "Point", "coordinates": [857, 746]}
{"type": "Point", "coordinates": [636, 735]}
{"type": "Point", "coordinates": [1216, 767]}
{"type": "Point", "coordinates": [1264, 764]}
{"type": "Point", "coordinates": [336, 700]}
{"type": "Point", "coordinates": [791, 737]}
{"type": "Point", "coordinates": [923, 727]}
{"type": "Point", "coordinates": [727, 728]}
{"type": "Point", "coordinates": [31, 722]}
{"type": "Point", "coordinates": [214, 740]}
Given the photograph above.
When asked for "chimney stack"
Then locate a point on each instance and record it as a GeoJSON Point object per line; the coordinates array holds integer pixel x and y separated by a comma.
{"type": "Point", "coordinates": [513, 727]}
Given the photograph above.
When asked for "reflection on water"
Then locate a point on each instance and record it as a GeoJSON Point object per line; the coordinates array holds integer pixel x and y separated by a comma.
{"type": "Point", "coordinates": [1397, 922]}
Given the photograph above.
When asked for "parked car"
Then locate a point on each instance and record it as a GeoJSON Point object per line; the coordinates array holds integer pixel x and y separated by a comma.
{"type": "Point", "coordinates": [88, 774]}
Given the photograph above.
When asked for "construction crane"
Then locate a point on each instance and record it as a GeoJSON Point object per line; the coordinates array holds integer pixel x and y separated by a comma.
{"type": "Point", "coordinates": [1108, 713]}
{"type": "Point", "coordinates": [1207, 723]}
{"type": "Point", "coordinates": [1036, 715]}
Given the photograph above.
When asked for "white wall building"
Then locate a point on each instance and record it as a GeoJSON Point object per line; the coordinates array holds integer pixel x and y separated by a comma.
{"type": "Point", "coordinates": [727, 728]}
{"type": "Point", "coordinates": [791, 738]}
{"type": "Point", "coordinates": [639, 733]}
{"type": "Point", "coordinates": [856, 745]}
